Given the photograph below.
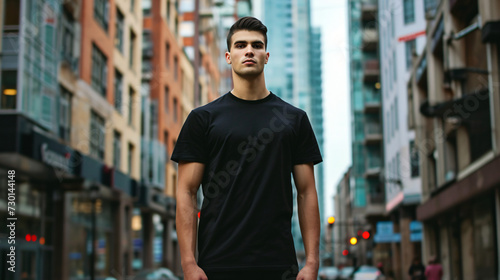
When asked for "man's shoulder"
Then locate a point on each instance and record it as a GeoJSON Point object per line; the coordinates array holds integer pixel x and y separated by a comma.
{"type": "Point", "coordinates": [289, 107]}
{"type": "Point", "coordinates": [211, 106]}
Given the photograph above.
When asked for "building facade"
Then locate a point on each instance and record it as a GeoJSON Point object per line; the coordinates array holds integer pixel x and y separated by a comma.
{"type": "Point", "coordinates": [294, 74]}
{"type": "Point", "coordinates": [366, 122]}
{"type": "Point", "coordinates": [401, 26]}
{"type": "Point", "coordinates": [454, 108]}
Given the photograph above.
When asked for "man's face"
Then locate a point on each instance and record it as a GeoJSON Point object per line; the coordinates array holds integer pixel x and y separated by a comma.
{"type": "Point", "coordinates": [247, 55]}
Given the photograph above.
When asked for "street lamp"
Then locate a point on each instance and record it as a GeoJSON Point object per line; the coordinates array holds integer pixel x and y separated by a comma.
{"type": "Point", "coordinates": [93, 191]}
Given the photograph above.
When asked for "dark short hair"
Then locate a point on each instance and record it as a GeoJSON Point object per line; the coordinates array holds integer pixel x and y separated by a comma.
{"type": "Point", "coordinates": [247, 23]}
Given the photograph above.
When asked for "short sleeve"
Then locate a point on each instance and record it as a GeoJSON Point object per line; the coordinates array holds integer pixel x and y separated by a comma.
{"type": "Point", "coordinates": [306, 149]}
{"type": "Point", "coordinates": [191, 143]}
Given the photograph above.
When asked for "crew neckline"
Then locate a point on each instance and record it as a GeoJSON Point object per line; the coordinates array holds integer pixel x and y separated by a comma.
{"type": "Point", "coordinates": [234, 97]}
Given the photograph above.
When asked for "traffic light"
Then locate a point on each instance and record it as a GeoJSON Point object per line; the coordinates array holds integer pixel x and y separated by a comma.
{"type": "Point", "coordinates": [353, 241]}
{"type": "Point", "coordinates": [331, 221]}
{"type": "Point", "coordinates": [345, 252]}
{"type": "Point", "coordinates": [366, 234]}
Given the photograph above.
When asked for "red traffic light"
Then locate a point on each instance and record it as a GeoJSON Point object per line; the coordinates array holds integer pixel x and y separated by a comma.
{"type": "Point", "coordinates": [30, 237]}
{"type": "Point", "coordinates": [345, 252]}
{"type": "Point", "coordinates": [366, 235]}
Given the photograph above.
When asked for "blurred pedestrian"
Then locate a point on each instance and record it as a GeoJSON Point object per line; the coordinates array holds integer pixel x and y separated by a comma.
{"type": "Point", "coordinates": [243, 148]}
{"type": "Point", "coordinates": [417, 270]}
{"type": "Point", "coordinates": [434, 271]}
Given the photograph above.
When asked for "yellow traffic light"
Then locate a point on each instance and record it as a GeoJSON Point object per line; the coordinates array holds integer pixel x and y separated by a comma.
{"type": "Point", "coordinates": [353, 240]}
{"type": "Point", "coordinates": [331, 220]}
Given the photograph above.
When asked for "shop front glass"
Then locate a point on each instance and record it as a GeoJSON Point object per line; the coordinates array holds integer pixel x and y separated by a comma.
{"type": "Point", "coordinates": [80, 245]}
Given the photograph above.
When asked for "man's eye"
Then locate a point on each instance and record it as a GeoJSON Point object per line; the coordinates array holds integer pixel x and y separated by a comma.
{"type": "Point", "coordinates": [257, 46]}
{"type": "Point", "coordinates": [239, 46]}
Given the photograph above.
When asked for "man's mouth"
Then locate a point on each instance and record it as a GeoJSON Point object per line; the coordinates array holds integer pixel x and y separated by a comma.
{"type": "Point", "coordinates": [248, 62]}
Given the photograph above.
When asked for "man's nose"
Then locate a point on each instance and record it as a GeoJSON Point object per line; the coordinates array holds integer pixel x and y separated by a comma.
{"type": "Point", "coordinates": [249, 51]}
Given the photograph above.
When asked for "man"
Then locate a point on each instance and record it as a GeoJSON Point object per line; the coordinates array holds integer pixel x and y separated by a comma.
{"type": "Point", "coordinates": [243, 148]}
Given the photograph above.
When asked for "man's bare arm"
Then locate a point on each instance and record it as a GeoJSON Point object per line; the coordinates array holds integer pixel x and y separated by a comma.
{"type": "Point", "coordinates": [307, 202]}
{"type": "Point", "coordinates": [190, 176]}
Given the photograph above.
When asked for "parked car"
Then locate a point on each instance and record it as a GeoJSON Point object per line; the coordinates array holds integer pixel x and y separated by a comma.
{"type": "Point", "coordinates": [156, 274]}
{"type": "Point", "coordinates": [366, 272]}
{"type": "Point", "coordinates": [346, 272]}
{"type": "Point", "coordinates": [328, 273]}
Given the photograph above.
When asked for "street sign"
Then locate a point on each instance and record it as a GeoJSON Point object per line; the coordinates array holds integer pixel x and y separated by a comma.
{"type": "Point", "coordinates": [387, 238]}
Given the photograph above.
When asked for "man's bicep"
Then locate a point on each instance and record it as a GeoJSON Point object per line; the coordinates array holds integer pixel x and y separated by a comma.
{"type": "Point", "coordinates": [190, 175]}
{"type": "Point", "coordinates": [303, 175]}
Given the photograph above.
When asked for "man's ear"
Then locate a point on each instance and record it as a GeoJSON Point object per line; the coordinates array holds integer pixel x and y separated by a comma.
{"type": "Point", "coordinates": [228, 58]}
{"type": "Point", "coordinates": [267, 57]}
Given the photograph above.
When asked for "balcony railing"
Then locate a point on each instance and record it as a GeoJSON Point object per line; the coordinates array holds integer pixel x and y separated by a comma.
{"type": "Point", "coordinates": [10, 50]}
{"type": "Point", "coordinates": [372, 101]}
{"type": "Point", "coordinates": [368, 10]}
{"type": "Point", "coordinates": [370, 39]}
{"type": "Point", "coordinates": [371, 70]}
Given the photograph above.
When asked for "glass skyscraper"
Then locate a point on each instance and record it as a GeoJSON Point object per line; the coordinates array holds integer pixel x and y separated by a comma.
{"type": "Point", "coordinates": [294, 74]}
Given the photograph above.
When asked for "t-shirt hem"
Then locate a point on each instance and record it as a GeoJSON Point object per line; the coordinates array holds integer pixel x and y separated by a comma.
{"type": "Point", "coordinates": [314, 160]}
{"type": "Point", "coordinates": [185, 158]}
{"type": "Point", "coordinates": [243, 268]}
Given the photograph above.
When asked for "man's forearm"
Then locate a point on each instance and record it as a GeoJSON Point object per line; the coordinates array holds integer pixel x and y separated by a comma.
{"type": "Point", "coordinates": [186, 223]}
{"type": "Point", "coordinates": [307, 203]}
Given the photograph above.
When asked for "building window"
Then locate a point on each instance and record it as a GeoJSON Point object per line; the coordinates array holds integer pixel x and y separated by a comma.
{"type": "Point", "coordinates": [118, 91]}
{"type": "Point", "coordinates": [414, 160]}
{"type": "Point", "coordinates": [167, 56]}
{"type": "Point", "coordinates": [153, 120]}
{"type": "Point", "coordinates": [132, 6]}
{"type": "Point", "coordinates": [131, 49]}
{"type": "Point", "coordinates": [65, 114]}
{"type": "Point", "coordinates": [68, 36]}
{"type": "Point", "coordinates": [131, 95]}
{"type": "Point", "coordinates": [395, 65]}
{"type": "Point", "coordinates": [176, 64]}
{"type": "Point", "coordinates": [396, 113]}
{"type": "Point", "coordinates": [99, 70]}
{"type": "Point", "coordinates": [146, 7]}
{"type": "Point", "coordinates": [130, 158]}
{"type": "Point", "coordinates": [175, 110]}
{"type": "Point", "coordinates": [119, 31]}
{"type": "Point", "coordinates": [165, 140]}
{"type": "Point", "coordinates": [117, 139]}
{"type": "Point", "coordinates": [167, 100]}
{"type": "Point", "coordinates": [96, 136]}
{"type": "Point", "coordinates": [168, 10]}
{"type": "Point", "coordinates": [9, 89]}
{"type": "Point", "coordinates": [409, 11]}
{"type": "Point", "coordinates": [101, 13]}
{"type": "Point", "coordinates": [410, 47]}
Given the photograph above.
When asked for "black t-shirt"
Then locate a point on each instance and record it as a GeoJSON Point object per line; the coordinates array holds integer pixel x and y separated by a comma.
{"type": "Point", "coordinates": [249, 149]}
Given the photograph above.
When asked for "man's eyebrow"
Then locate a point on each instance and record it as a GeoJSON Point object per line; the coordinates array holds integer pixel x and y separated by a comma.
{"type": "Point", "coordinates": [245, 42]}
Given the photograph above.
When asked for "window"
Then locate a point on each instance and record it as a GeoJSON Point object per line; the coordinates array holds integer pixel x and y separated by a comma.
{"type": "Point", "coordinates": [117, 139]}
{"type": "Point", "coordinates": [9, 89]}
{"type": "Point", "coordinates": [118, 91]}
{"type": "Point", "coordinates": [175, 110]}
{"type": "Point", "coordinates": [119, 31]}
{"type": "Point", "coordinates": [65, 114]}
{"type": "Point", "coordinates": [176, 62]}
{"type": "Point", "coordinates": [430, 7]}
{"type": "Point", "coordinates": [101, 13]}
{"type": "Point", "coordinates": [131, 49]}
{"type": "Point", "coordinates": [409, 11]}
{"type": "Point", "coordinates": [96, 136]}
{"type": "Point", "coordinates": [396, 113]}
{"type": "Point", "coordinates": [146, 7]}
{"type": "Point", "coordinates": [68, 35]}
{"type": "Point", "coordinates": [410, 49]}
{"type": "Point", "coordinates": [165, 140]}
{"type": "Point", "coordinates": [395, 65]}
{"type": "Point", "coordinates": [168, 10]}
{"type": "Point", "coordinates": [99, 70]}
{"type": "Point", "coordinates": [167, 100]}
{"type": "Point", "coordinates": [414, 160]}
{"type": "Point", "coordinates": [131, 95]}
{"type": "Point", "coordinates": [130, 158]}
{"type": "Point", "coordinates": [153, 120]}
{"type": "Point", "coordinates": [132, 6]}
{"type": "Point", "coordinates": [167, 56]}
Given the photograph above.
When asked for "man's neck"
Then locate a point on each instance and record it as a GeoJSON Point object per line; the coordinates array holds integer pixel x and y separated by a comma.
{"type": "Point", "coordinates": [249, 88]}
